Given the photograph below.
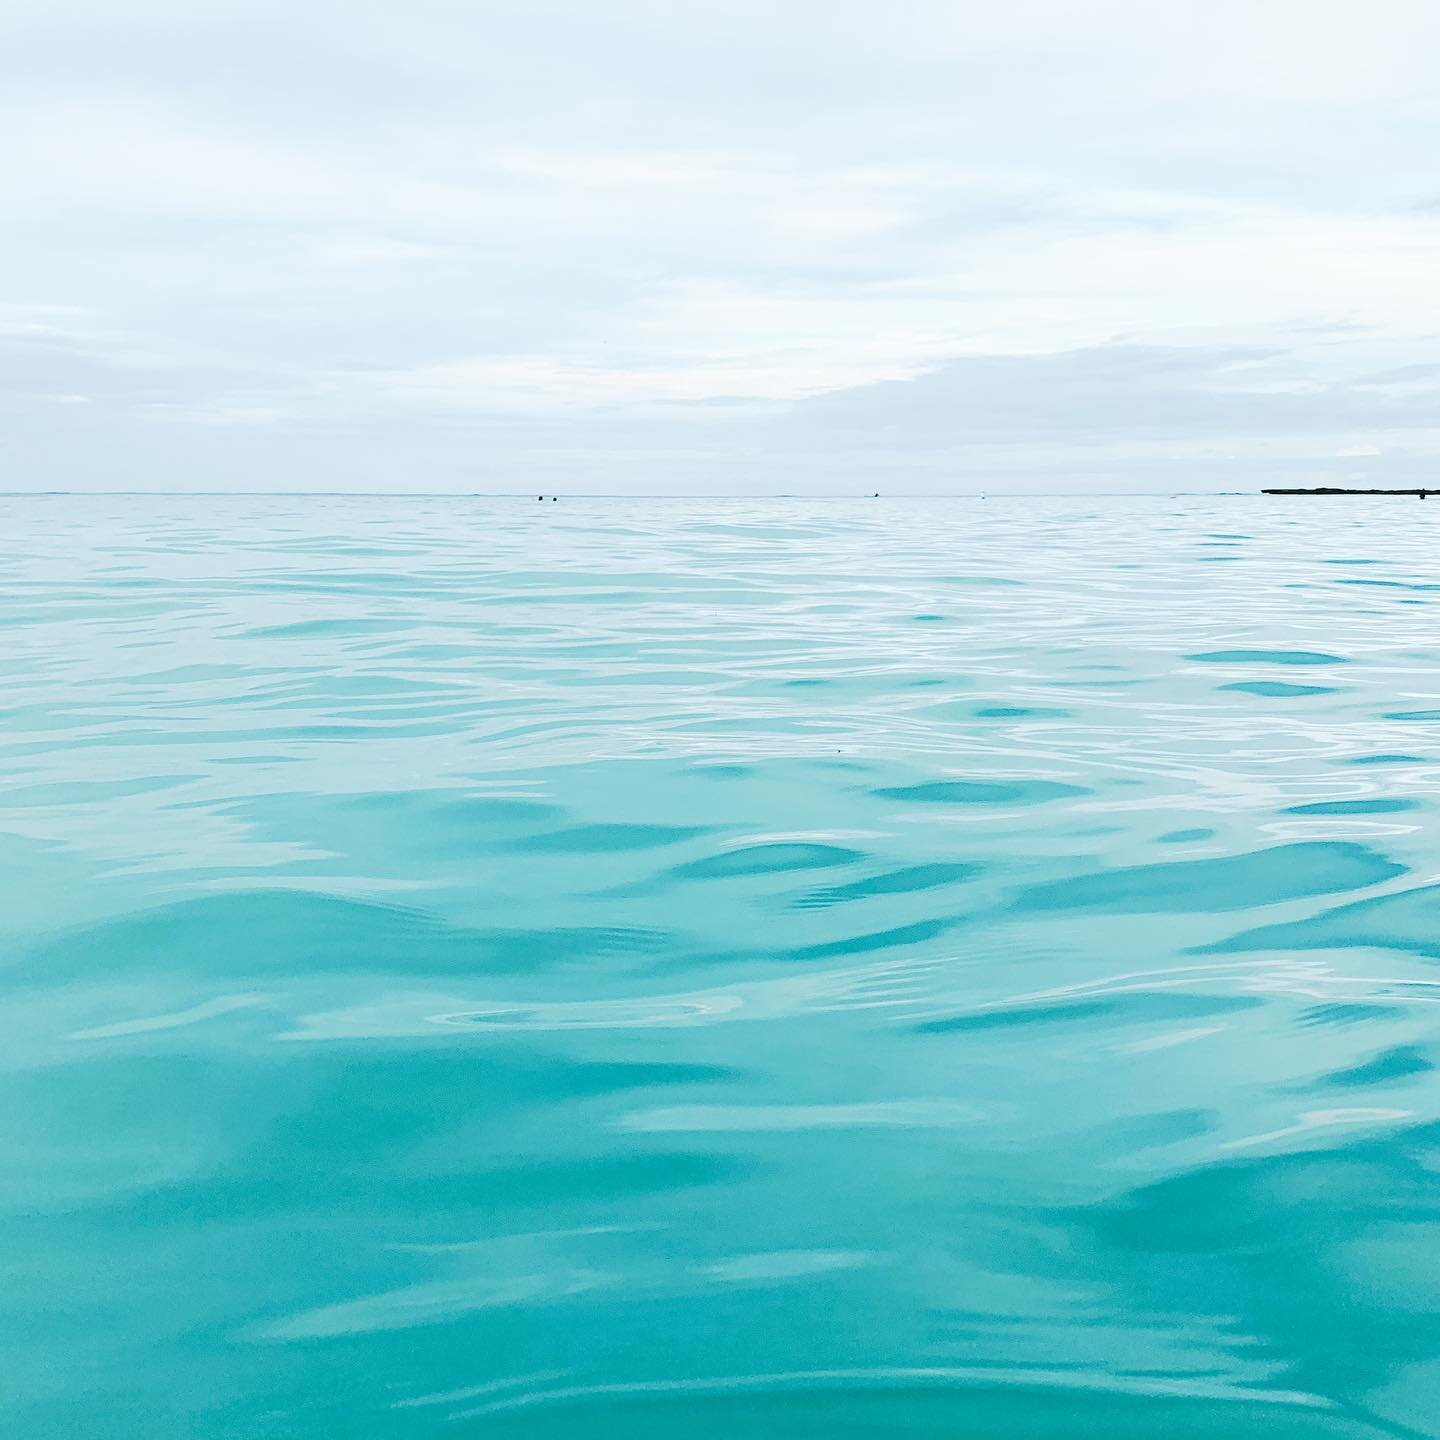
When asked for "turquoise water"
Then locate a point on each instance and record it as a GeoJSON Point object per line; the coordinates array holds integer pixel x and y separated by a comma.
{"type": "Point", "coordinates": [653, 968]}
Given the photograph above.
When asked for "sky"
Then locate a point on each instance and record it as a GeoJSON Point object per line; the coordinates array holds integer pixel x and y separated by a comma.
{"type": "Point", "coordinates": [799, 247]}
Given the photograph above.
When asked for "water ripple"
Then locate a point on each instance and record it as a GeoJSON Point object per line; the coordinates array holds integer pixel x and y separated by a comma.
{"type": "Point", "coordinates": [791, 968]}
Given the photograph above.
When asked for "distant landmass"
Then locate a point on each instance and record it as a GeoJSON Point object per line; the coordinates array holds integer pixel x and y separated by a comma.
{"type": "Point", "coordinates": [1345, 490]}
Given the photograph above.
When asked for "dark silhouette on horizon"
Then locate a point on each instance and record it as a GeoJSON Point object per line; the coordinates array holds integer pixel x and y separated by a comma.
{"type": "Point", "coordinates": [1344, 490]}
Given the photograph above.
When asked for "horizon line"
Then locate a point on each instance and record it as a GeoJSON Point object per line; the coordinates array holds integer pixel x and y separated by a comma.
{"type": "Point", "coordinates": [641, 494]}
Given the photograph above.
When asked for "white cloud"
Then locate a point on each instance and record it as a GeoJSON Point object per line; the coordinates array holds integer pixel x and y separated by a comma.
{"type": "Point", "coordinates": [681, 226]}
{"type": "Point", "coordinates": [540, 385]}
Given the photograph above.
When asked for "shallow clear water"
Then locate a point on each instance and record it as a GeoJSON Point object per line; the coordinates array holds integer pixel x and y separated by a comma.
{"type": "Point", "coordinates": [641, 968]}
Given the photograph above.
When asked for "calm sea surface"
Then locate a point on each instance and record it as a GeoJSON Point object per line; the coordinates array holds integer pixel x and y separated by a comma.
{"type": "Point", "coordinates": [650, 968]}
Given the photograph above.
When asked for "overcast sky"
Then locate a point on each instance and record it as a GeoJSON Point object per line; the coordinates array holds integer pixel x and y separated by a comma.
{"type": "Point", "coordinates": [733, 247]}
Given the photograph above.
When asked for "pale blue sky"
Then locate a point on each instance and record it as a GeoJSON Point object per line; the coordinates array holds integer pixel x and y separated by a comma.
{"type": "Point", "coordinates": [730, 247]}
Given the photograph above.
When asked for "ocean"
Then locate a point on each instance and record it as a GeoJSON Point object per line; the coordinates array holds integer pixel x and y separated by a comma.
{"type": "Point", "coordinates": [790, 968]}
